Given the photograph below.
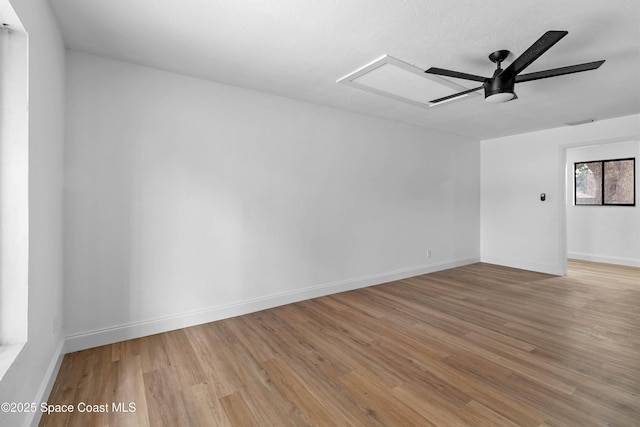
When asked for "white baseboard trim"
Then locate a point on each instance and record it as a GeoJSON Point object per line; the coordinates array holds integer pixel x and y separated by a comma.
{"type": "Point", "coordinates": [556, 270]}
{"type": "Point", "coordinates": [630, 262]}
{"type": "Point", "coordinates": [47, 384]}
{"type": "Point", "coordinates": [114, 334]}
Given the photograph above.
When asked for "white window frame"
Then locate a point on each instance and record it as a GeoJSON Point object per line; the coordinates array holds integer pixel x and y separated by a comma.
{"type": "Point", "coordinates": [14, 194]}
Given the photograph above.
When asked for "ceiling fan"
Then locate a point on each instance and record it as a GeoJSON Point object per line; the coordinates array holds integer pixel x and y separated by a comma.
{"type": "Point", "coordinates": [500, 87]}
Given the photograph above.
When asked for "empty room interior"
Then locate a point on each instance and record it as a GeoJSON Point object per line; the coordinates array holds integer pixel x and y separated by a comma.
{"type": "Point", "coordinates": [356, 213]}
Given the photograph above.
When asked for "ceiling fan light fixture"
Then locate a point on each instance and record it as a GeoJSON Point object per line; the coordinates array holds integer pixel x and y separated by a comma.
{"type": "Point", "coordinates": [500, 97]}
{"type": "Point", "coordinates": [498, 89]}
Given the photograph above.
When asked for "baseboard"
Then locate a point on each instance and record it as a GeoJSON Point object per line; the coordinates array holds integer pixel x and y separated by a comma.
{"type": "Point", "coordinates": [555, 270]}
{"type": "Point", "coordinates": [47, 384]}
{"type": "Point", "coordinates": [111, 335]}
{"type": "Point", "coordinates": [630, 262]}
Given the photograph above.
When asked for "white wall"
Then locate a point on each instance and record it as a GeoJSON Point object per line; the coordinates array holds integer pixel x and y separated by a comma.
{"type": "Point", "coordinates": [27, 379]}
{"type": "Point", "coordinates": [517, 229]}
{"type": "Point", "coordinates": [188, 201]}
{"type": "Point", "coordinates": [603, 233]}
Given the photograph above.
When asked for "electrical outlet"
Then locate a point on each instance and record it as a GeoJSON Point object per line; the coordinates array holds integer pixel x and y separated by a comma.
{"type": "Point", "coordinates": [428, 253]}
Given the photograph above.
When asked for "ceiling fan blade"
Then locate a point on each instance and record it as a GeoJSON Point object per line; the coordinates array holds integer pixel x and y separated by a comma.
{"type": "Point", "coordinates": [543, 44]}
{"type": "Point", "coordinates": [455, 95]}
{"type": "Point", "coordinates": [456, 74]}
{"type": "Point", "coordinates": [559, 71]}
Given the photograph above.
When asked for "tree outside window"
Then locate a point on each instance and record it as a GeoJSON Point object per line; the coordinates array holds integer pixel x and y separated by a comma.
{"type": "Point", "coordinates": [605, 183]}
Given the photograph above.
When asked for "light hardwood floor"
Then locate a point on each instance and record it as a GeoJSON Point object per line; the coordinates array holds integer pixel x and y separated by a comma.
{"type": "Point", "coordinates": [476, 345]}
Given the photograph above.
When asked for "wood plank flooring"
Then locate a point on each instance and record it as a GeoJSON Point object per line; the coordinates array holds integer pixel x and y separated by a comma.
{"type": "Point", "coordinates": [479, 345]}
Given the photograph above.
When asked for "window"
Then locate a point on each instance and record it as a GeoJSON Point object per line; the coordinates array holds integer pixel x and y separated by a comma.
{"type": "Point", "coordinates": [605, 183]}
{"type": "Point", "coordinates": [14, 186]}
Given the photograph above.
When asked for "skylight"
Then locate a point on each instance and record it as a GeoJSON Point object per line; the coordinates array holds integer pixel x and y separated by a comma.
{"type": "Point", "coordinates": [399, 80]}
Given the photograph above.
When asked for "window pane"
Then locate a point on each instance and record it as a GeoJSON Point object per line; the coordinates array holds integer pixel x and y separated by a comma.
{"type": "Point", "coordinates": [619, 182]}
{"type": "Point", "coordinates": [588, 183]}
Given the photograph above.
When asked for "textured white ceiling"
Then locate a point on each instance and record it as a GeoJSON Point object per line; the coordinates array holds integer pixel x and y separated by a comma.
{"type": "Point", "coordinates": [299, 48]}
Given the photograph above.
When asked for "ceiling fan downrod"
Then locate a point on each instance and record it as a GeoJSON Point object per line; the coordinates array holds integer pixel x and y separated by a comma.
{"type": "Point", "coordinates": [498, 89]}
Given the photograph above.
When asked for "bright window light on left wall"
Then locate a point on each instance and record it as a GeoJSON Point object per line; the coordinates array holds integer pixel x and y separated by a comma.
{"type": "Point", "coordinates": [14, 187]}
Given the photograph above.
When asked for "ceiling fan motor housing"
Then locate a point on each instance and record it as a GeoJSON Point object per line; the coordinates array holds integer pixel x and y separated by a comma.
{"type": "Point", "coordinates": [499, 90]}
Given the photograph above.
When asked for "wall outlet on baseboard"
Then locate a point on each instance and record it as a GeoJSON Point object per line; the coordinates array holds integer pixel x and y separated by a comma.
{"type": "Point", "coordinates": [428, 253]}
